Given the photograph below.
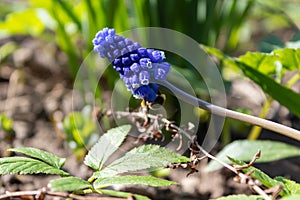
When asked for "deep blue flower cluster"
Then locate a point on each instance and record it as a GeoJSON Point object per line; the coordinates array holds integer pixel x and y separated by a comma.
{"type": "Point", "coordinates": [138, 67]}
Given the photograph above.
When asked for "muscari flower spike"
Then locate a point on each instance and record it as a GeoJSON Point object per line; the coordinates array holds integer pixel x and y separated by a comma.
{"type": "Point", "coordinates": [138, 67]}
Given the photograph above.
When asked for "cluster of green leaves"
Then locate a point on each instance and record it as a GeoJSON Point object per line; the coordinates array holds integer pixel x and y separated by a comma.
{"type": "Point", "coordinates": [260, 67]}
{"type": "Point", "coordinates": [267, 70]}
{"type": "Point", "coordinates": [241, 151]}
{"type": "Point", "coordinates": [139, 158]}
{"type": "Point", "coordinates": [290, 189]}
{"type": "Point", "coordinates": [245, 149]}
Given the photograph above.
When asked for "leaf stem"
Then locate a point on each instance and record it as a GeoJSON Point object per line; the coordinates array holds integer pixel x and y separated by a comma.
{"type": "Point", "coordinates": [255, 131]}
{"type": "Point", "coordinates": [91, 179]}
{"type": "Point", "coordinates": [220, 111]}
{"type": "Point", "coordinates": [293, 80]}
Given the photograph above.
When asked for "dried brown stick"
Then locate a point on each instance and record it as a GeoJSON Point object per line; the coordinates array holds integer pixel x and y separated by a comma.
{"type": "Point", "coordinates": [44, 192]}
{"type": "Point", "coordinates": [243, 178]}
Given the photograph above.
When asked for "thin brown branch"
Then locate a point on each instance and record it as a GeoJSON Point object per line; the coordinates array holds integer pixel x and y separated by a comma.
{"type": "Point", "coordinates": [43, 193]}
{"type": "Point", "coordinates": [217, 160]}
{"type": "Point", "coordinates": [241, 177]}
{"type": "Point", "coordinates": [274, 191]}
{"type": "Point", "coordinates": [141, 115]}
{"type": "Point", "coordinates": [255, 157]}
{"type": "Point", "coordinates": [195, 148]}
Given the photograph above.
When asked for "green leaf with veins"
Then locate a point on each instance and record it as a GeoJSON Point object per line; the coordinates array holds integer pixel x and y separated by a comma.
{"type": "Point", "coordinates": [263, 62]}
{"type": "Point", "coordinates": [291, 185]}
{"type": "Point", "coordinates": [245, 149]}
{"type": "Point", "coordinates": [289, 57]}
{"type": "Point", "coordinates": [142, 157]}
{"type": "Point", "coordinates": [261, 67]}
{"type": "Point", "coordinates": [285, 96]}
{"type": "Point", "coordinates": [241, 197]}
{"type": "Point", "coordinates": [123, 194]}
{"type": "Point", "coordinates": [132, 179]}
{"type": "Point", "coordinates": [262, 177]}
{"type": "Point", "coordinates": [292, 197]}
{"type": "Point", "coordinates": [69, 184]}
{"type": "Point", "coordinates": [23, 165]}
{"type": "Point", "coordinates": [106, 146]}
{"type": "Point", "coordinates": [45, 156]}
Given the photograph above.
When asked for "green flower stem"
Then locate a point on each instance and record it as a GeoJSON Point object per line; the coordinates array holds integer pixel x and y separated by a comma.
{"type": "Point", "coordinates": [91, 179]}
{"type": "Point", "coordinates": [81, 192]}
{"type": "Point", "coordinates": [88, 191]}
{"type": "Point", "coordinates": [278, 128]}
{"type": "Point", "coordinates": [293, 80]}
{"type": "Point", "coordinates": [226, 135]}
{"type": "Point", "coordinates": [255, 131]}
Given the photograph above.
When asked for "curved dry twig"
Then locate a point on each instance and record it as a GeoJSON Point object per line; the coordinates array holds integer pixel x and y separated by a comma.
{"type": "Point", "coordinates": [196, 148]}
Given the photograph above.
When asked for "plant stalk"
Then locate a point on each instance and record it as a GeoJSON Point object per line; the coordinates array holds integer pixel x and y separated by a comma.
{"type": "Point", "coordinates": [255, 131]}
{"type": "Point", "coordinates": [224, 112]}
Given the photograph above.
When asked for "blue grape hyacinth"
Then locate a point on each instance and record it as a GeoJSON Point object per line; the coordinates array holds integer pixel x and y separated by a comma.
{"type": "Point", "coordinates": [138, 67]}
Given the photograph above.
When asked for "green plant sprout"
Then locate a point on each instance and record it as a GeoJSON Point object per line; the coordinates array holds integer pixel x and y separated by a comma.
{"type": "Point", "coordinates": [139, 158]}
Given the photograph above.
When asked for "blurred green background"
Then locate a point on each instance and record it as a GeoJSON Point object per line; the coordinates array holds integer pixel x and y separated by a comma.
{"type": "Point", "coordinates": [229, 25]}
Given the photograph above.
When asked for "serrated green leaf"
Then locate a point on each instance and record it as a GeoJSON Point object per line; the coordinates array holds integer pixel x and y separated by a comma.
{"type": "Point", "coordinates": [142, 157]}
{"type": "Point", "coordinates": [69, 184]}
{"type": "Point", "coordinates": [23, 165]}
{"type": "Point", "coordinates": [291, 185]}
{"type": "Point", "coordinates": [241, 197]}
{"type": "Point", "coordinates": [292, 197]}
{"type": "Point", "coordinates": [132, 179]}
{"type": "Point", "coordinates": [261, 176]}
{"type": "Point", "coordinates": [45, 156]}
{"type": "Point", "coordinates": [246, 149]}
{"type": "Point", "coordinates": [123, 194]}
{"type": "Point", "coordinates": [106, 146]}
